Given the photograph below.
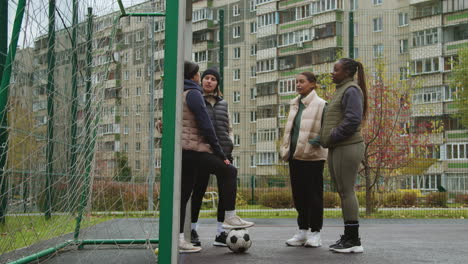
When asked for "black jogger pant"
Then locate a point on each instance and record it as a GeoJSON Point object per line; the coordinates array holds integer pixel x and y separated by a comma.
{"type": "Point", "coordinates": [226, 176]}
{"type": "Point", "coordinates": [190, 161]}
{"type": "Point", "coordinates": [307, 189]}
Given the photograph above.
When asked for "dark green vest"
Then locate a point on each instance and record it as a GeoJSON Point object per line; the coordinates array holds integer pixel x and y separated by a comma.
{"type": "Point", "coordinates": [334, 116]}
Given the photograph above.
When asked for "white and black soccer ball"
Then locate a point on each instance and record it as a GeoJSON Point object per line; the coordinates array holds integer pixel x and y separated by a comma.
{"type": "Point", "coordinates": [238, 240]}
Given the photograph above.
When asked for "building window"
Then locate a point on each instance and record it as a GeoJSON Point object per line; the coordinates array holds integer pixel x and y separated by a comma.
{"type": "Point", "coordinates": [237, 53]}
{"type": "Point", "coordinates": [236, 98]}
{"type": "Point", "coordinates": [200, 56]}
{"type": "Point", "coordinates": [454, 5]}
{"type": "Point", "coordinates": [126, 129]}
{"type": "Point", "coordinates": [267, 135]}
{"type": "Point", "coordinates": [138, 73]}
{"type": "Point", "coordinates": [253, 93]}
{"type": "Point", "coordinates": [403, 46]}
{"type": "Point", "coordinates": [302, 12]}
{"type": "Point", "coordinates": [457, 151]}
{"type": "Point", "coordinates": [252, 5]}
{"type": "Point", "coordinates": [236, 75]}
{"type": "Point", "coordinates": [253, 138]}
{"type": "Point", "coordinates": [287, 86]}
{"type": "Point", "coordinates": [425, 37]}
{"type": "Point", "coordinates": [404, 73]}
{"type": "Point", "coordinates": [325, 5]}
{"type": "Point", "coordinates": [253, 27]}
{"type": "Point", "coordinates": [236, 162]}
{"type": "Point", "coordinates": [253, 50]}
{"type": "Point", "coordinates": [356, 53]}
{"type": "Point", "coordinates": [138, 110]}
{"type": "Point", "coordinates": [126, 111]}
{"type": "Point", "coordinates": [236, 31]}
{"type": "Point", "coordinates": [235, 10]}
{"type": "Point", "coordinates": [126, 75]}
{"type": "Point", "coordinates": [450, 62]}
{"type": "Point", "coordinates": [354, 4]}
{"type": "Point", "coordinates": [159, 26]}
{"type": "Point", "coordinates": [253, 116]}
{"type": "Point", "coordinates": [428, 95]}
{"type": "Point", "coordinates": [140, 35]}
{"type": "Point", "coordinates": [266, 20]}
{"type": "Point", "coordinates": [428, 65]}
{"type": "Point", "coordinates": [157, 163]}
{"type": "Point", "coordinates": [378, 51]}
{"type": "Point", "coordinates": [457, 182]}
{"type": "Point", "coordinates": [236, 140]}
{"type": "Point", "coordinates": [267, 158]}
{"type": "Point", "coordinates": [377, 2]}
{"type": "Point", "coordinates": [253, 161]}
{"type": "Point", "coordinates": [377, 24]}
{"type": "Point", "coordinates": [138, 127]}
{"type": "Point", "coordinates": [236, 118]}
{"type": "Point", "coordinates": [137, 165]}
{"type": "Point", "coordinates": [266, 65]}
{"type": "Point", "coordinates": [125, 147]}
{"type": "Point", "coordinates": [137, 146]}
{"type": "Point", "coordinates": [202, 14]}
{"type": "Point", "coordinates": [402, 19]}
{"type": "Point", "coordinates": [283, 110]}
{"type": "Point", "coordinates": [253, 71]}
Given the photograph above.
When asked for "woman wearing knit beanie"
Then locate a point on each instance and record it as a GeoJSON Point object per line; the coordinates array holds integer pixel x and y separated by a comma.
{"type": "Point", "coordinates": [217, 109]}
{"type": "Point", "coordinates": [201, 149]}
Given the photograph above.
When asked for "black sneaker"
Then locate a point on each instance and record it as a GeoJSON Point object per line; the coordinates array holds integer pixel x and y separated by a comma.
{"type": "Point", "coordinates": [220, 240]}
{"type": "Point", "coordinates": [194, 238]}
{"type": "Point", "coordinates": [349, 245]}
{"type": "Point", "coordinates": [342, 238]}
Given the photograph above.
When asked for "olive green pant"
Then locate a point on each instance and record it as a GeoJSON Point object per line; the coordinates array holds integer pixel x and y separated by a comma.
{"type": "Point", "coordinates": [343, 164]}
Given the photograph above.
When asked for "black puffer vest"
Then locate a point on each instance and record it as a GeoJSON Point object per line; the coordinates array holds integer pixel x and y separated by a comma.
{"type": "Point", "coordinates": [219, 116]}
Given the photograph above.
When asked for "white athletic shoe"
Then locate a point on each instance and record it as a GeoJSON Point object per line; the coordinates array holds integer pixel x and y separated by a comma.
{"type": "Point", "coordinates": [313, 240]}
{"type": "Point", "coordinates": [298, 240]}
{"type": "Point", "coordinates": [186, 247]}
{"type": "Point", "coordinates": [235, 222]}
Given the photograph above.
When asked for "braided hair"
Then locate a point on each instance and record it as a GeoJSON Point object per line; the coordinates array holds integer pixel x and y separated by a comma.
{"type": "Point", "coordinates": [352, 66]}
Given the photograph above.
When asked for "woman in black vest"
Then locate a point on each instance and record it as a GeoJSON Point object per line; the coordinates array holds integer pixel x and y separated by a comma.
{"type": "Point", "coordinates": [226, 175]}
{"type": "Point", "coordinates": [341, 134]}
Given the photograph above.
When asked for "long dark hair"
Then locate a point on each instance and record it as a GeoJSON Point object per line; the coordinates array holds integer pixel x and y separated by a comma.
{"type": "Point", "coordinates": [352, 66]}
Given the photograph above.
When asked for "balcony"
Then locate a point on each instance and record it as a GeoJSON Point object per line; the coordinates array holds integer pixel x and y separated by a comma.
{"type": "Point", "coordinates": [429, 109]}
{"type": "Point", "coordinates": [266, 54]}
{"type": "Point", "coordinates": [266, 146]}
{"type": "Point", "coordinates": [267, 31]}
{"type": "Point", "coordinates": [267, 123]}
{"type": "Point", "coordinates": [267, 100]}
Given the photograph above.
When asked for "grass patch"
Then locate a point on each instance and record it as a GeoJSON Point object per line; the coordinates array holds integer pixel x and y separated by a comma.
{"type": "Point", "coordinates": [23, 231]}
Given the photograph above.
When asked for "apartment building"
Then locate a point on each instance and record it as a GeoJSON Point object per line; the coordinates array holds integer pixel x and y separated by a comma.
{"type": "Point", "coordinates": [266, 44]}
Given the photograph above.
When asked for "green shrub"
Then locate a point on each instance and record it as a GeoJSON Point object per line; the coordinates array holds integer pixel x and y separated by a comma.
{"type": "Point", "coordinates": [437, 199]}
{"type": "Point", "coordinates": [118, 196]}
{"type": "Point", "coordinates": [461, 198]}
{"type": "Point", "coordinates": [409, 199]}
{"type": "Point", "coordinates": [391, 200]}
{"type": "Point", "coordinates": [331, 200]}
{"type": "Point", "coordinates": [281, 198]}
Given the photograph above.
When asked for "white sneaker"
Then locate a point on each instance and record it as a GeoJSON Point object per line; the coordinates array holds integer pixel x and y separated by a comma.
{"type": "Point", "coordinates": [313, 240]}
{"type": "Point", "coordinates": [235, 222]}
{"type": "Point", "coordinates": [186, 247]}
{"type": "Point", "coordinates": [298, 239]}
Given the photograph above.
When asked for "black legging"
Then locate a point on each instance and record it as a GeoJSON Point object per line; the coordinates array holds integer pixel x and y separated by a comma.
{"type": "Point", "coordinates": [307, 190]}
{"type": "Point", "coordinates": [226, 176]}
{"type": "Point", "coordinates": [190, 161]}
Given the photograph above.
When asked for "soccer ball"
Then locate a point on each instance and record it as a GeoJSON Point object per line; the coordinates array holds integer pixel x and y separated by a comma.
{"type": "Point", "coordinates": [238, 240]}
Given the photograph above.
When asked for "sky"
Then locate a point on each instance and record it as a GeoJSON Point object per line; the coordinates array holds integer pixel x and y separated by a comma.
{"type": "Point", "coordinates": [35, 22]}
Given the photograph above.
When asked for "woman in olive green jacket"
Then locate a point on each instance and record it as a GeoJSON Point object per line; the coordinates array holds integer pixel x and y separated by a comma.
{"type": "Point", "coordinates": [341, 134]}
